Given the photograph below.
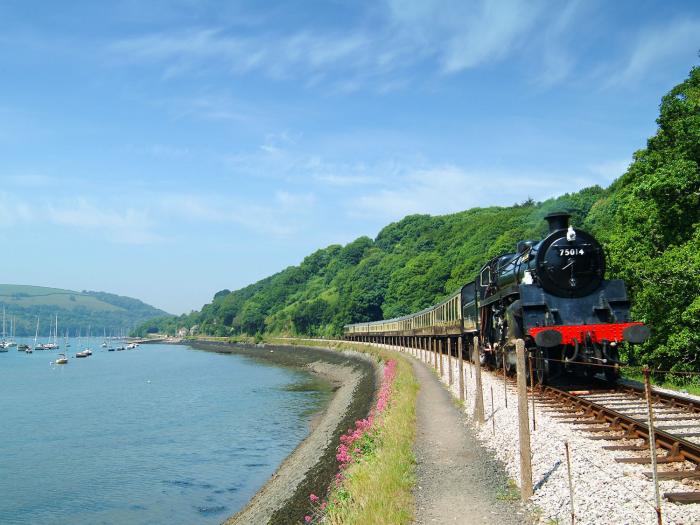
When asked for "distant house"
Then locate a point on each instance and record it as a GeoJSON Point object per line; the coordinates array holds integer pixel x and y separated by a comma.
{"type": "Point", "coordinates": [182, 332]}
{"type": "Point", "coordinates": [193, 330]}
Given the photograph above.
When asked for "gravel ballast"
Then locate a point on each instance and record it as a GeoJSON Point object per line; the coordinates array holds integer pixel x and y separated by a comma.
{"type": "Point", "coordinates": [605, 492]}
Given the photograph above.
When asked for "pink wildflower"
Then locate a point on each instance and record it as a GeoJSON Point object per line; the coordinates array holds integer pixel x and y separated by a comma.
{"type": "Point", "coordinates": [307, 519]}
{"type": "Point", "coordinates": [314, 498]}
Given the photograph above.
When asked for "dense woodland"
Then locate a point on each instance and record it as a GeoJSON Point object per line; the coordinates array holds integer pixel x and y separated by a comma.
{"type": "Point", "coordinates": [648, 219]}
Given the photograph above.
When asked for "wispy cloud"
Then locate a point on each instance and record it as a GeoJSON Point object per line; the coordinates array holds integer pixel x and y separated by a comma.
{"type": "Point", "coordinates": [464, 34]}
{"type": "Point", "coordinates": [446, 36]}
{"type": "Point", "coordinates": [449, 189]}
{"type": "Point", "coordinates": [609, 170]}
{"type": "Point", "coordinates": [14, 211]}
{"type": "Point", "coordinates": [657, 48]}
{"type": "Point", "coordinates": [126, 225]}
{"type": "Point", "coordinates": [280, 216]}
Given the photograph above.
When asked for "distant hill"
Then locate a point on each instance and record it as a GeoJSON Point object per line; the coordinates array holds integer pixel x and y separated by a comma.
{"type": "Point", "coordinates": [99, 311]}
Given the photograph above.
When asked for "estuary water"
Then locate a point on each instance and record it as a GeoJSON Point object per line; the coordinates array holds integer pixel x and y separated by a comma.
{"type": "Point", "coordinates": [159, 434]}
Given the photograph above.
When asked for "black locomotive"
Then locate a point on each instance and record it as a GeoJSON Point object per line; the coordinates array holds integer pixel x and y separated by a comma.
{"type": "Point", "coordinates": [551, 293]}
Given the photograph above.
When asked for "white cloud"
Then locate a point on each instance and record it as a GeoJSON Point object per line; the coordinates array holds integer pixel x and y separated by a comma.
{"type": "Point", "coordinates": [298, 201]}
{"type": "Point", "coordinates": [465, 34]}
{"type": "Point", "coordinates": [127, 225]}
{"type": "Point", "coordinates": [610, 170]}
{"type": "Point", "coordinates": [14, 210]}
{"type": "Point", "coordinates": [123, 225]}
{"type": "Point", "coordinates": [379, 53]}
{"type": "Point", "coordinates": [348, 180]}
{"type": "Point", "coordinates": [449, 189]}
{"type": "Point", "coordinates": [280, 217]}
{"type": "Point", "coordinates": [655, 48]}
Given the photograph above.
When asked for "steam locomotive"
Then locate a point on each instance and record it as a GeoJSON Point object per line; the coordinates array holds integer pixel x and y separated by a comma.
{"type": "Point", "coordinates": [551, 293]}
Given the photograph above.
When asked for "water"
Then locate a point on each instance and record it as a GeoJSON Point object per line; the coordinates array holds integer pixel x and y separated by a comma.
{"type": "Point", "coordinates": [159, 434]}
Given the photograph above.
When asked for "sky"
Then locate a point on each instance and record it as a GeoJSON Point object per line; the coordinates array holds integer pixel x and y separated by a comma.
{"type": "Point", "coordinates": [166, 150]}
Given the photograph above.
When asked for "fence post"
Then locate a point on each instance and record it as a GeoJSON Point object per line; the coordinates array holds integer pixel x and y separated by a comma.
{"type": "Point", "coordinates": [441, 348]}
{"type": "Point", "coordinates": [461, 368]}
{"type": "Point", "coordinates": [449, 360]}
{"type": "Point", "coordinates": [493, 414]}
{"type": "Point", "coordinates": [478, 395]}
{"type": "Point", "coordinates": [434, 346]}
{"type": "Point", "coordinates": [505, 384]}
{"type": "Point", "coordinates": [532, 393]}
{"type": "Point", "coordinates": [652, 443]}
{"type": "Point", "coordinates": [523, 424]}
{"type": "Point", "coordinates": [571, 484]}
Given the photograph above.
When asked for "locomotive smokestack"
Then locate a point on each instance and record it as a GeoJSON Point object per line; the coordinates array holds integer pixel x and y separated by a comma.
{"type": "Point", "coordinates": [558, 220]}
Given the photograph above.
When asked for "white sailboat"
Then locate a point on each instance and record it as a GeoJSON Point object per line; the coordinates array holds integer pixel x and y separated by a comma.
{"type": "Point", "coordinates": [87, 349]}
{"type": "Point", "coordinates": [3, 343]}
{"type": "Point", "coordinates": [52, 344]}
{"type": "Point", "coordinates": [11, 342]}
{"type": "Point", "coordinates": [36, 336]}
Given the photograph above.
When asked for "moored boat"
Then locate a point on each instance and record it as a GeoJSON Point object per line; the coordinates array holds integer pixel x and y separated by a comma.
{"type": "Point", "coordinates": [61, 360]}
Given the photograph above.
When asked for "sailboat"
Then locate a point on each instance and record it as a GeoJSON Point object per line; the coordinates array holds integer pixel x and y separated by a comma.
{"type": "Point", "coordinates": [53, 336]}
{"type": "Point", "coordinates": [3, 343]}
{"type": "Point", "coordinates": [82, 353]}
{"type": "Point", "coordinates": [11, 342]}
{"type": "Point", "coordinates": [87, 349]}
{"type": "Point", "coordinates": [24, 347]}
{"type": "Point", "coordinates": [36, 336]}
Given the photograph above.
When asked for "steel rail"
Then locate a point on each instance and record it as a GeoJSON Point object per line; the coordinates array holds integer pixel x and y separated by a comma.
{"type": "Point", "coordinates": [634, 428]}
{"type": "Point", "coordinates": [667, 398]}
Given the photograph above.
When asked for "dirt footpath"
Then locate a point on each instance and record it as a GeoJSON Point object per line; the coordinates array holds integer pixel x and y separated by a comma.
{"type": "Point", "coordinates": [458, 481]}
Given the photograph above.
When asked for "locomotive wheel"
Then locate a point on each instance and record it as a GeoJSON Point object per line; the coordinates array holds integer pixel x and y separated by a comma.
{"type": "Point", "coordinates": [541, 366]}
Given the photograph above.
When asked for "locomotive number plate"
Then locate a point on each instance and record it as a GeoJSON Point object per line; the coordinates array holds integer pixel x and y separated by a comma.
{"type": "Point", "coordinates": [565, 252]}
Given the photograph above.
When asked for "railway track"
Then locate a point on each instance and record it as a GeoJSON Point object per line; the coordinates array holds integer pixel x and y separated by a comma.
{"type": "Point", "coordinates": [620, 414]}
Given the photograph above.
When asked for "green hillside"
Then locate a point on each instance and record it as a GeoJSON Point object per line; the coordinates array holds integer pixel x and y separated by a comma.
{"type": "Point", "coordinates": [647, 219]}
{"type": "Point", "coordinates": [75, 310]}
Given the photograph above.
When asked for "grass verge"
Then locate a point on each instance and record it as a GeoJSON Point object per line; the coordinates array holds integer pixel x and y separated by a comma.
{"type": "Point", "coordinates": [680, 385]}
{"type": "Point", "coordinates": [377, 487]}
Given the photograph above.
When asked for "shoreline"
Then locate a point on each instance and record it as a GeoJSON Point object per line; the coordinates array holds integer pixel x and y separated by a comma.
{"type": "Point", "coordinates": [311, 467]}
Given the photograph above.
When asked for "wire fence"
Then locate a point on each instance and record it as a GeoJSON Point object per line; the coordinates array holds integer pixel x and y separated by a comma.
{"type": "Point", "coordinates": [556, 510]}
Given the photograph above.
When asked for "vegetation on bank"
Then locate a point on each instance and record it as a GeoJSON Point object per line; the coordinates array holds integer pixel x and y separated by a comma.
{"type": "Point", "coordinates": [376, 475]}
{"type": "Point", "coordinates": [100, 311]}
{"type": "Point", "coordinates": [648, 220]}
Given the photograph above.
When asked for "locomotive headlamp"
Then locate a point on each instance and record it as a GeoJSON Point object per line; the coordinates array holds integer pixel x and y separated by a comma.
{"type": "Point", "coordinates": [570, 234]}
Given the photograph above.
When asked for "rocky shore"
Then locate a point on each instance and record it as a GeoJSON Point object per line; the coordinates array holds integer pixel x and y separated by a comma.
{"type": "Point", "coordinates": [311, 467]}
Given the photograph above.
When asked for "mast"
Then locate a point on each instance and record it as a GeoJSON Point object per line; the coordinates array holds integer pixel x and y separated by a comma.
{"type": "Point", "coordinates": [36, 334]}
